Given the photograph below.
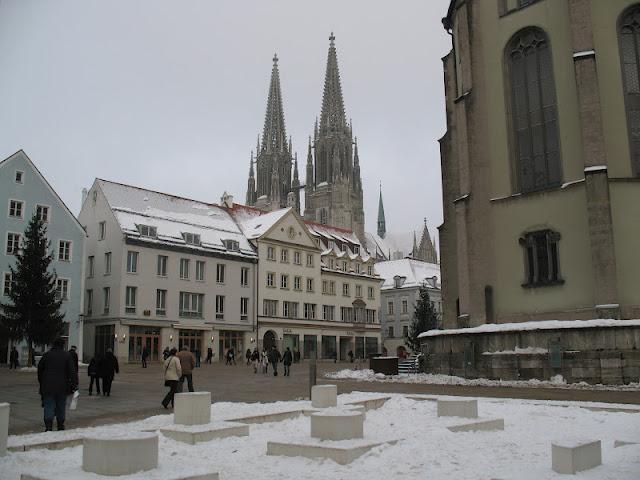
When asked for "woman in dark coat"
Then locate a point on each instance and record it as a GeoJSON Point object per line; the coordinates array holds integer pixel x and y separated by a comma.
{"type": "Point", "coordinates": [92, 371]}
{"type": "Point", "coordinates": [107, 369]}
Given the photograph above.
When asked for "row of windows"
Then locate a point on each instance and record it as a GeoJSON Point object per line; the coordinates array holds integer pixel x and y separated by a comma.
{"type": "Point", "coordinates": [343, 265]}
{"type": "Point", "coordinates": [328, 286]}
{"type": "Point", "coordinates": [17, 209]}
{"type": "Point", "coordinates": [284, 256]}
{"type": "Point", "coordinates": [404, 306]}
{"type": "Point", "coordinates": [290, 310]}
{"type": "Point", "coordinates": [190, 305]}
{"type": "Point", "coordinates": [62, 287]}
{"type": "Point", "coordinates": [14, 244]}
{"type": "Point", "coordinates": [162, 268]}
{"type": "Point", "coordinates": [391, 331]}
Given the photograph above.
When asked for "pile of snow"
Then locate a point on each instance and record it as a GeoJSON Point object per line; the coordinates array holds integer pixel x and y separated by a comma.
{"type": "Point", "coordinates": [556, 381]}
{"type": "Point", "coordinates": [426, 449]}
{"type": "Point", "coordinates": [520, 351]}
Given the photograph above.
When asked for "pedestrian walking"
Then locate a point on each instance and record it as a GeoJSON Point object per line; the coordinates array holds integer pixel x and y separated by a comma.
{"type": "Point", "coordinates": [274, 359]}
{"type": "Point", "coordinates": [57, 379]}
{"type": "Point", "coordinates": [13, 358]}
{"type": "Point", "coordinates": [265, 361]}
{"type": "Point", "coordinates": [231, 357]}
{"type": "Point", "coordinates": [92, 371]}
{"type": "Point", "coordinates": [187, 364]}
{"type": "Point", "coordinates": [144, 356]}
{"type": "Point", "coordinates": [107, 369]}
{"type": "Point", "coordinates": [247, 356]}
{"type": "Point", "coordinates": [76, 362]}
{"type": "Point", "coordinates": [172, 374]}
{"type": "Point", "coordinates": [197, 354]}
{"type": "Point", "coordinates": [165, 353]}
{"type": "Point", "coordinates": [287, 359]}
{"type": "Point", "coordinates": [255, 359]}
{"type": "Point", "coordinates": [350, 355]}
{"type": "Point", "coordinates": [209, 355]}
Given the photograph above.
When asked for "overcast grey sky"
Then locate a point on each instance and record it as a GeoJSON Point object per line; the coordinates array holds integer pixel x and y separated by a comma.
{"type": "Point", "coordinates": [171, 95]}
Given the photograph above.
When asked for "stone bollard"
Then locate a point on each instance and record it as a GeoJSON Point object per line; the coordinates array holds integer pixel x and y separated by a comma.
{"type": "Point", "coordinates": [192, 408]}
{"type": "Point", "coordinates": [4, 428]}
{"type": "Point", "coordinates": [572, 458]}
{"type": "Point", "coordinates": [120, 455]}
{"type": "Point", "coordinates": [323, 396]}
{"type": "Point", "coordinates": [337, 425]}
{"type": "Point", "coordinates": [458, 408]}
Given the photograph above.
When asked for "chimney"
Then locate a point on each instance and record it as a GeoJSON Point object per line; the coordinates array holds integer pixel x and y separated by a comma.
{"type": "Point", "coordinates": [227, 200]}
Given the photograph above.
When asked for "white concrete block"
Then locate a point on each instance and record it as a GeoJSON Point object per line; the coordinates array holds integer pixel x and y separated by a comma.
{"type": "Point", "coordinates": [192, 408]}
{"type": "Point", "coordinates": [323, 396]}
{"type": "Point", "coordinates": [622, 443]}
{"type": "Point", "coordinates": [157, 474]}
{"type": "Point", "coordinates": [341, 455]}
{"type": "Point", "coordinates": [193, 434]}
{"type": "Point", "coordinates": [572, 458]}
{"type": "Point", "coordinates": [4, 428]}
{"type": "Point", "coordinates": [120, 455]}
{"type": "Point", "coordinates": [483, 425]}
{"type": "Point", "coordinates": [337, 425]}
{"type": "Point", "coordinates": [458, 408]}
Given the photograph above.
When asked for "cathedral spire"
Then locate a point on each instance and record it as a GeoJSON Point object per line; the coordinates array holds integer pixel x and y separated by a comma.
{"type": "Point", "coordinates": [274, 135]}
{"type": "Point", "coordinates": [251, 184]}
{"type": "Point", "coordinates": [426, 250]}
{"type": "Point", "coordinates": [382, 229]}
{"type": "Point", "coordinates": [332, 116]}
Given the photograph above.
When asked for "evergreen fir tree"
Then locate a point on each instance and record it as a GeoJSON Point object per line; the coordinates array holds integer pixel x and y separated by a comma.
{"type": "Point", "coordinates": [424, 318]}
{"type": "Point", "coordinates": [33, 310]}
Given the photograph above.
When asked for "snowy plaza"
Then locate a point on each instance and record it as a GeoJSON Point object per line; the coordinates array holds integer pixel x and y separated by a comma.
{"type": "Point", "coordinates": [411, 441]}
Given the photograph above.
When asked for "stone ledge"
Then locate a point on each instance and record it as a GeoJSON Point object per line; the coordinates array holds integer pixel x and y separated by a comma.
{"type": "Point", "coordinates": [622, 443]}
{"type": "Point", "coordinates": [120, 455]}
{"type": "Point", "coordinates": [150, 475]}
{"type": "Point", "coordinates": [72, 441]}
{"type": "Point", "coordinates": [205, 433]}
{"type": "Point", "coordinates": [371, 403]}
{"type": "Point", "coordinates": [269, 417]}
{"type": "Point", "coordinates": [314, 449]}
{"type": "Point", "coordinates": [483, 425]}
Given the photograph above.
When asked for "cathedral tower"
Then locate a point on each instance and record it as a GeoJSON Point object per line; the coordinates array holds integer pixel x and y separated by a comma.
{"type": "Point", "coordinates": [271, 187]}
{"type": "Point", "coordinates": [333, 192]}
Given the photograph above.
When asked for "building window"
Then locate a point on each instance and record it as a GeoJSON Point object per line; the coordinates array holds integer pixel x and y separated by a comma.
{"type": "Point", "coordinates": [161, 303]}
{"type": "Point", "coordinates": [542, 265]}
{"type": "Point", "coordinates": [200, 270]}
{"type": "Point", "coordinates": [534, 117]}
{"type": "Point", "coordinates": [358, 291]}
{"type": "Point", "coordinates": [107, 263]}
{"type": "Point", "coordinates": [629, 40]}
{"type": "Point", "coordinates": [19, 178]}
{"type": "Point", "coordinates": [284, 281]}
{"type": "Point", "coordinates": [345, 267]}
{"type": "Point", "coordinates": [6, 284]}
{"type": "Point", "coordinates": [64, 251]}
{"type": "Point", "coordinates": [405, 306]}
{"type": "Point", "coordinates": [62, 289]}
{"type": "Point", "coordinates": [332, 263]}
{"type": "Point", "coordinates": [325, 287]}
{"type": "Point", "coordinates": [357, 268]}
{"type": "Point", "coordinates": [347, 314]}
{"type": "Point", "coordinates": [231, 245]}
{"type": "Point", "coordinates": [106, 297]}
{"type": "Point", "coordinates": [345, 289]}
{"type": "Point", "coordinates": [191, 238]}
{"type": "Point", "coordinates": [390, 308]}
{"type": "Point", "coordinates": [190, 304]}
{"type": "Point", "coordinates": [370, 295]}
{"type": "Point", "coordinates": [328, 312]}
{"type": "Point", "coordinates": [219, 307]}
{"type": "Point", "coordinates": [271, 279]}
{"type": "Point", "coordinates": [405, 331]}
{"type": "Point", "coordinates": [271, 253]}
{"type": "Point", "coordinates": [244, 277]}
{"type": "Point", "coordinates": [356, 249]}
{"type": "Point", "coordinates": [244, 309]}
{"type": "Point", "coordinates": [370, 270]}
{"type": "Point", "coordinates": [90, 266]}
{"type": "Point", "coordinates": [290, 309]}
{"type": "Point", "coordinates": [309, 284]}
{"type": "Point", "coordinates": [220, 271]}
{"type": "Point", "coordinates": [297, 283]}
{"type": "Point", "coordinates": [162, 265]}
{"type": "Point", "coordinates": [284, 255]}
{"type": "Point", "coordinates": [88, 300]}
{"type": "Point", "coordinates": [42, 211]}
{"type": "Point", "coordinates": [132, 262]}
{"type": "Point", "coordinates": [310, 311]}
{"type": "Point", "coordinates": [13, 243]}
{"type": "Point", "coordinates": [309, 260]}
{"type": "Point", "coordinates": [184, 268]}
{"type": "Point", "coordinates": [270, 308]}
{"type": "Point", "coordinates": [297, 258]}
{"type": "Point", "coordinates": [332, 288]}
{"type": "Point", "coordinates": [102, 230]}
{"type": "Point", "coordinates": [15, 208]}
{"type": "Point", "coordinates": [390, 332]}
{"type": "Point", "coordinates": [130, 300]}
{"type": "Point", "coordinates": [147, 231]}
{"type": "Point", "coordinates": [323, 216]}
{"type": "Point", "coordinates": [371, 316]}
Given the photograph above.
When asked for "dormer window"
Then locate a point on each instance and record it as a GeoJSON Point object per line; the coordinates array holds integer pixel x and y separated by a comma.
{"type": "Point", "coordinates": [19, 177]}
{"type": "Point", "coordinates": [231, 245]}
{"type": "Point", "coordinates": [343, 247]}
{"type": "Point", "coordinates": [398, 281]}
{"type": "Point", "coordinates": [356, 249]}
{"type": "Point", "coordinates": [332, 244]}
{"type": "Point", "coordinates": [191, 238]}
{"type": "Point", "coordinates": [147, 231]}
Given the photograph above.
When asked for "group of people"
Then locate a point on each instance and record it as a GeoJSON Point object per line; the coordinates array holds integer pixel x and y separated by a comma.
{"type": "Point", "coordinates": [271, 357]}
{"type": "Point", "coordinates": [178, 367]}
{"type": "Point", "coordinates": [102, 368]}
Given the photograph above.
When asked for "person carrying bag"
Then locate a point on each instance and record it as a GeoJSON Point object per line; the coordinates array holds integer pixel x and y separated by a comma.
{"type": "Point", "coordinates": [172, 374]}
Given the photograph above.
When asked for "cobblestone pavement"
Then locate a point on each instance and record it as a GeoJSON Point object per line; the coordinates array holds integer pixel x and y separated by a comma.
{"type": "Point", "coordinates": [137, 392]}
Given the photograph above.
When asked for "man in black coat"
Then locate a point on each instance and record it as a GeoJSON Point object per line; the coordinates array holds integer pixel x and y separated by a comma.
{"type": "Point", "coordinates": [57, 377]}
{"type": "Point", "coordinates": [274, 359]}
{"type": "Point", "coordinates": [287, 358]}
{"type": "Point", "coordinates": [107, 369]}
{"type": "Point", "coordinates": [76, 363]}
{"type": "Point", "coordinates": [13, 358]}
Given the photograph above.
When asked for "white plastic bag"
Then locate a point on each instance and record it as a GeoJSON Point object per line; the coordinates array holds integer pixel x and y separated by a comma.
{"type": "Point", "coordinates": [74, 400]}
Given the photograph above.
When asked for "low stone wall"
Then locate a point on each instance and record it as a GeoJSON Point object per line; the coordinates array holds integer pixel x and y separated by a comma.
{"type": "Point", "coordinates": [607, 355]}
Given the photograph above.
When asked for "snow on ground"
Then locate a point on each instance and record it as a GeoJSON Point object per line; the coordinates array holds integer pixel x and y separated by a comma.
{"type": "Point", "coordinates": [426, 449]}
{"type": "Point", "coordinates": [433, 379]}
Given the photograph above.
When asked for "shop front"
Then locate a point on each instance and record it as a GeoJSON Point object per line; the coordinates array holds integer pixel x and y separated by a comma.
{"type": "Point", "coordinates": [144, 337]}
{"type": "Point", "coordinates": [228, 339]}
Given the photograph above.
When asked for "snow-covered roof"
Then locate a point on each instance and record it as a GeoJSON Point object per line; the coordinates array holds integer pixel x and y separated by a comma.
{"type": "Point", "coordinates": [534, 325]}
{"type": "Point", "coordinates": [390, 244]}
{"type": "Point", "coordinates": [172, 216]}
{"type": "Point", "coordinates": [254, 224]}
{"type": "Point", "coordinates": [415, 272]}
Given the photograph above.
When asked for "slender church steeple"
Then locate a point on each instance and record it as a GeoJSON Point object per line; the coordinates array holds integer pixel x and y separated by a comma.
{"type": "Point", "coordinates": [382, 227]}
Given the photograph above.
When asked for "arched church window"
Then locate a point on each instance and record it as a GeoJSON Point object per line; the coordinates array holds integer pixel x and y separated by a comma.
{"type": "Point", "coordinates": [629, 39]}
{"type": "Point", "coordinates": [534, 116]}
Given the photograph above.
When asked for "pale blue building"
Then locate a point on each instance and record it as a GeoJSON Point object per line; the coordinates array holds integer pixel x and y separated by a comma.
{"type": "Point", "coordinates": [23, 192]}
